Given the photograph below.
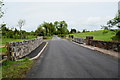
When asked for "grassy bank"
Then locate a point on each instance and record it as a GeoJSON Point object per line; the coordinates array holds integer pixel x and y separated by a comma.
{"type": "Point", "coordinates": [16, 69]}
{"type": "Point", "coordinates": [98, 35]}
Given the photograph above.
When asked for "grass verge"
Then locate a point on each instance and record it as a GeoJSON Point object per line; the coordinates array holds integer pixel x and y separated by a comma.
{"type": "Point", "coordinates": [16, 69]}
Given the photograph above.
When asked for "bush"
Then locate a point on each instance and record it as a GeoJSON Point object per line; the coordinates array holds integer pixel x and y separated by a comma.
{"type": "Point", "coordinates": [116, 37]}
{"type": "Point", "coordinates": [45, 37]}
{"type": "Point", "coordinates": [62, 35]}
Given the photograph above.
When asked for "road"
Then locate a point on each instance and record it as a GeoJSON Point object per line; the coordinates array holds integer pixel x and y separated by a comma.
{"type": "Point", "coordinates": [64, 59]}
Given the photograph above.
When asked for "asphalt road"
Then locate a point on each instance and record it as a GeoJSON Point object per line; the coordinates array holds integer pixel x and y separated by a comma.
{"type": "Point", "coordinates": [64, 59]}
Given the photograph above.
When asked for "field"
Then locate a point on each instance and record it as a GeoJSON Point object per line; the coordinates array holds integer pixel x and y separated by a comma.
{"type": "Point", "coordinates": [5, 40]}
{"type": "Point", "coordinates": [98, 35]}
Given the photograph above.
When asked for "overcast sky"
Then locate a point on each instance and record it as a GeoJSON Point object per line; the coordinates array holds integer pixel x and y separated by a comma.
{"type": "Point", "coordinates": [79, 14]}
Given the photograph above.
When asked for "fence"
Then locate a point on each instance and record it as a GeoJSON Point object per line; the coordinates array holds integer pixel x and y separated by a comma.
{"type": "Point", "coordinates": [22, 48]}
{"type": "Point", "coordinates": [109, 45]}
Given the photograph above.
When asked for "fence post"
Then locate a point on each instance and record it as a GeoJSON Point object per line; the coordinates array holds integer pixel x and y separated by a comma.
{"type": "Point", "coordinates": [8, 51]}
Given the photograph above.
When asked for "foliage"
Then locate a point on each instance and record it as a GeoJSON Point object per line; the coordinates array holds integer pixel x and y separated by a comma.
{"type": "Point", "coordinates": [114, 22]}
{"type": "Point", "coordinates": [85, 30]}
{"type": "Point", "coordinates": [4, 50]}
{"type": "Point", "coordinates": [15, 34]}
{"type": "Point", "coordinates": [73, 31]}
{"type": "Point", "coordinates": [49, 29]}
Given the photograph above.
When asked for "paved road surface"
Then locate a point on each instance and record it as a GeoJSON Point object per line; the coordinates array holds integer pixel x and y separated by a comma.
{"type": "Point", "coordinates": [64, 59]}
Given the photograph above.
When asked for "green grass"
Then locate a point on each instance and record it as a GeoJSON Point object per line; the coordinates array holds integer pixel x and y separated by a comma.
{"type": "Point", "coordinates": [98, 35]}
{"type": "Point", "coordinates": [5, 40]}
{"type": "Point", "coordinates": [3, 50]}
{"type": "Point", "coordinates": [16, 69]}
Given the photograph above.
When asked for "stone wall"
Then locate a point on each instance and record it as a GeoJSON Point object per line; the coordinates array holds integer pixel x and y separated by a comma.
{"type": "Point", "coordinates": [109, 45]}
{"type": "Point", "coordinates": [79, 40]}
{"type": "Point", "coordinates": [22, 48]}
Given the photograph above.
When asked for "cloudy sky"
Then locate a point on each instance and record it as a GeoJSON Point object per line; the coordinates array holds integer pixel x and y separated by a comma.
{"type": "Point", "coordinates": [79, 14]}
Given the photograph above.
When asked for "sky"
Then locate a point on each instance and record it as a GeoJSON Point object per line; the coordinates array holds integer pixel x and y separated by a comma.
{"type": "Point", "coordinates": [78, 14]}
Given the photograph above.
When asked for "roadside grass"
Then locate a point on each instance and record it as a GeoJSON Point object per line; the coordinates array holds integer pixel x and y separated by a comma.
{"type": "Point", "coordinates": [98, 35]}
{"type": "Point", "coordinates": [16, 69]}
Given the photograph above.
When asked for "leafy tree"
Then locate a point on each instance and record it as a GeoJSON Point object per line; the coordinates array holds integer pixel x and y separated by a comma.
{"type": "Point", "coordinates": [73, 31]}
{"type": "Point", "coordinates": [40, 31]}
{"type": "Point", "coordinates": [84, 30]}
{"type": "Point", "coordinates": [114, 22]}
{"type": "Point", "coordinates": [48, 29]}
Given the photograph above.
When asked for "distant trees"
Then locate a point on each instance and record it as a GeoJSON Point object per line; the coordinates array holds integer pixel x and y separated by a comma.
{"type": "Point", "coordinates": [44, 29]}
{"type": "Point", "coordinates": [73, 31]}
{"type": "Point", "coordinates": [12, 33]}
{"type": "Point", "coordinates": [85, 30]}
{"type": "Point", "coordinates": [48, 29]}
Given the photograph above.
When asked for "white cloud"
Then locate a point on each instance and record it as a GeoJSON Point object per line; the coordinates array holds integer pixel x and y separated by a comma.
{"type": "Point", "coordinates": [90, 23]}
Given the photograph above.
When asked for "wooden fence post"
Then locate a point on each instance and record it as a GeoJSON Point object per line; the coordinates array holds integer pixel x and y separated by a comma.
{"type": "Point", "coordinates": [8, 51]}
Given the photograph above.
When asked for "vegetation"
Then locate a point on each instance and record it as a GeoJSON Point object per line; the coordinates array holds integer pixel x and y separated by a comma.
{"type": "Point", "coordinates": [49, 29]}
{"type": "Point", "coordinates": [16, 69]}
{"type": "Point", "coordinates": [73, 31]}
{"type": "Point", "coordinates": [114, 22]}
{"type": "Point", "coordinates": [105, 35]}
{"type": "Point", "coordinates": [14, 33]}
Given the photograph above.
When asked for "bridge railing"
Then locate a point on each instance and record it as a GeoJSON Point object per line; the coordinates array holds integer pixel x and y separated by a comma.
{"type": "Point", "coordinates": [79, 40]}
{"type": "Point", "coordinates": [109, 45]}
{"type": "Point", "coordinates": [22, 48]}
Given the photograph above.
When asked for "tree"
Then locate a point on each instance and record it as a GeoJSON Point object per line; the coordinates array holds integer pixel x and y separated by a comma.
{"type": "Point", "coordinates": [21, 23]}
{"type": "Point", "coordinates": [62, 27]}
{"type": "Point", "coordinates": [48, 29]}
{"type": "Point", "coordinates": [40, 31]}
{"type": "Point", "coordinates": [114, 22]}
{"type": "Point", "coordinates": [73, 31]}
{"type": "Point", "coordinates": [84, 30]}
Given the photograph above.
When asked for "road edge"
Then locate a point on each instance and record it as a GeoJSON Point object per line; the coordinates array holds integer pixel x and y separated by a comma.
{"type": "Point", "coordinates": [39, 52]}
{"type": "Point", "coordinates": [107, 52]}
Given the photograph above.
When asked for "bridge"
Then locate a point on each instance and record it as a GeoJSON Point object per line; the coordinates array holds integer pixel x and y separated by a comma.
{"type": "Point", "coordinates": [64, 59]}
